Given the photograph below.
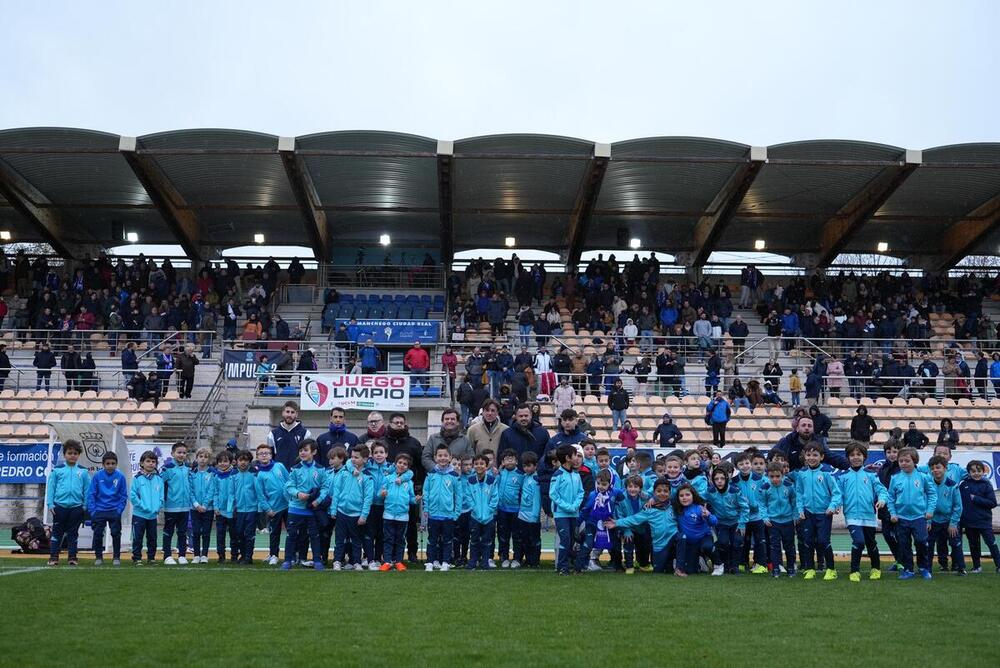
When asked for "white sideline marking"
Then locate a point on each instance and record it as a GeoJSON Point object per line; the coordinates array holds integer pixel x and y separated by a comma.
{"type": "Point", "coordinates": [18, 571]}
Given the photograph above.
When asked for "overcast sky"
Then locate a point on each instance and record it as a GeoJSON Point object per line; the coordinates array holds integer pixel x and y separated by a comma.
{"type": "Point", "coordinates": [913, 74]}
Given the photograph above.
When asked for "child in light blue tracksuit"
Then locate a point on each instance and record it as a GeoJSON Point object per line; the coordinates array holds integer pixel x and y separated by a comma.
{"type": "Point", "coordinates": [146, 497]}
{"type": "Point", "coordinates": [945, 528]}
{"type": "Point", "coordinates": [224, 502]}
{"type": "Point", "coordinates": [817, 497]}
{"type": "Point", "coordinates": [912, 499]}
{"type": "Point", "coordinates": [350, 503]}
{"type": "Point", "coordinates": [777, 504]}
{"type": "Point", "coordinates": [272, 503]}
{"type": "Point", "coordinates": [302, 490]}
{"type": "Point", "coordinates": [66, 498]}
{"type": "Point", "coordinates": [246, 505]}
{"type": "Point", "coordinates": [203, 506]}
{"type": "Point", "coordinates": [177, 480]}
{"type": "Point", "coordinates": [397, 496]}
{"type": "Point", "coordinates": [378, 468]}
{"type": "Point", "coordinates": [510, 480]}
{"type": "Point", "coordinates": [658, 518]}
{"type": "Point", "coordinates": [443, 490]}
{"type": "Point", "coordinates": [727, 503]}
{"type": "Point", "coordinates": [862, 494]}
{"type": "Point", "coordinates": [635, 541]}
{"type": "Point", "coordinates": [460, 541]}
{"type": "Point", "coordinates": [529, 517]}
{"type": "Point", "coordinates": [484, 491]}
{"type": "Point", "coordinates": [566, 495]}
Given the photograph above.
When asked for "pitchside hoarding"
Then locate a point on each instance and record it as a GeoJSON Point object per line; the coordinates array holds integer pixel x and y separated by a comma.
{"type": "Point", "coordinates": [381, 392]}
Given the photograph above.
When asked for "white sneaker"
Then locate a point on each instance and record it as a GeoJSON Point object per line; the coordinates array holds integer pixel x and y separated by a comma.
{"type": "Point", "coordinates": [702, 564]}
{"type": "Point", "coordinates": [98, 562]}
{"type": "Point", "coordinates": [306, 564]}
{"type": "Point", "coordinates": [336, 565]}
{"type": "Point", "coordinates": [437, 565]}
{"type": "Point", "coordinates": [492, 564]}
{"type": "Point", "coordinates": [515, 564]}
{"type": "Point", "coordinates": [429, 567]}
{"type": "Point", "coordinates": [505, 563]}
{"type": "Point", "coordinates": [170, 561]}
{"type": "Point", "coordinates": [204, 559]}
{"type": "Point", "coordinates": [718, 570]}
{"type": "Point", "coordinates": [182, 561]}
{"type": "Point", "coordinates": [445, 566]}
{"type": "Point", "coordinates": [272, 560]}
{"type": "Point", "coordinates": [359, 567]}
{"type": "Point", "coordinates": [373, 565]}
{"type": "Point", "coordinates": [364, 563]}
{"type": "Point", "coordinates": [593, 566]}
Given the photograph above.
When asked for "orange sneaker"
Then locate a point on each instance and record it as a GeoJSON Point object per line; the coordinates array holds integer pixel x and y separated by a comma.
{"type": "Point", "coordinates": [400, 566]}
{"type": "Point", "coordinates": [385, 567]}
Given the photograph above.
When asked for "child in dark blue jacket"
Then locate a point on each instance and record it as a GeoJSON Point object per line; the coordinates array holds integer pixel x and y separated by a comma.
{"type": "Point", "coordinates": [106, 500]}
{"type": "Point", "coordinates": [695, 529]}
{"type": "Point", "coordinates": [978, 502]}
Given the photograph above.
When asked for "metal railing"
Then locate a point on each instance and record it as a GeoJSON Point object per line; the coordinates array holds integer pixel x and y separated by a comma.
{"type": "Point", "coordinates": [385, 276]}
{"type": "Point", "coordinates": [93, 340]}
{"type": "Point", "coordinates": [57, 378]}
{"type": "Point", "coordinates": [206, 415]}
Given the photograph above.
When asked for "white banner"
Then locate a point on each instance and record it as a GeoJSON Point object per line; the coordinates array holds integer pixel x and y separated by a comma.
{"type": "Point", "coordinates": [381, 392]}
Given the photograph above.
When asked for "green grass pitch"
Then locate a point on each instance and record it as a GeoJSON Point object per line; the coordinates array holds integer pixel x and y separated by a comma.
{"type": "Point", "coordinates": [202, 615]}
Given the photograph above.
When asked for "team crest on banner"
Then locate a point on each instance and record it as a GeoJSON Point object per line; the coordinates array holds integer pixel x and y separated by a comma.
{"type": "Point", "coordinates": [94, 446]}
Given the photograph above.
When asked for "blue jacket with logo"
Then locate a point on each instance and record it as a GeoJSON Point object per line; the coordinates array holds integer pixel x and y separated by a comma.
{"type": "Point", "coordinates": [203, 488]}
{"type": "Point", "coordinates": [146, 495]}
{"type": "Point", "coordinates": [778, 503]}
{"type": "Point", "coordinates": [378, 473]}
{"type": "Point", "coordinates": [948, 509]}
{"type": "Point", "coordinates": [978, 502]}
{"type": "Point", "coordinates": [245, 498]}
{"type": "Point", "coordinates": [271, 481]}
{"type": "Point", "coordinates": [398, 498]}
{"type": "Point", "coordinates": [224, 492]}
{"type": "Point", "coordinates": [816, 491]}
{"type": "Point", "coordinates": [179, 487]}
{"type": "Point", "coordinates": [750, 486]}
{"type": "Point", "coordinates": [530, 507]}
{"type": "Point", "coordinates": [860, 491]}
{"type": "Point", "coordinates": [67, 486]}
{"type": "Point", "coordinates": [303, 478]}
{"type": "Point", "coordinates": [629, 506]}
{"type": "Point", "coordinates": [510, 490]}
{"type": "Point", "coordinates": [911, 496]}
{"type": "Point", "coordinates": [485, 495]}
{"type": "Point", "coordinates": [661, 521]}
{"type": "Point", "coordinates": [354, 493]}
{"type": "Point", "coordinates": [443, 493]}
{"type": "Point", "coordinates": [566, 493]}
{"type": "Point", "coordinates": [107, 493]}
{"type": "Point", "coordinates": [729, 506]}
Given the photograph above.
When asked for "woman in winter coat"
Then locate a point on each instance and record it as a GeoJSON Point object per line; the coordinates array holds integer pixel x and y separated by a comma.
{"type": "Point", "coordinates": [628, 435]}
{"type": "Point", "coordinates": [863, 426]}
{"type": "Point", "coordinates": [835, 377]}
{"type": "Point", "coordinates": [564, 396]}
{"type": "Point", "coordinates": [948, 435]}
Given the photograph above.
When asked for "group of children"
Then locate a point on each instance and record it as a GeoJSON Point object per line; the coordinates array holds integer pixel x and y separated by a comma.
{"type": "Point", "coordinates": [672, 515]}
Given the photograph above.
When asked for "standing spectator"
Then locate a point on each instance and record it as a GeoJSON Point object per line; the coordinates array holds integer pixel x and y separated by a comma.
{"type": "Point", "coordinates": [717, 414]}
{"type": "Point", "coordinates": [525, 324]}
{"type": "Point", "coordinates": [87, 377]}
{"type": "Point", "coordinates": [165, 364]}
{"type": "Point", "coordinates": [666, 434]}
{"type": "Point", "coordinates": [618, 402]}
{"type": "Point", "coordinates": [71, 363]}
{"type": "Point", "coordinates": [284, 365]}
{"type": "Point", "coordinates": [713, 372]}
{"type": "Point", "coordinates": [914, 438]}
{"type": "Point", "coordinates": [739, 332]}
{"type": "Point", "coordinates": [995, 375]}
{"type": "Point", "coordinates": [417, 362]}
{"type": "Point", "coordinates": [862, 426]}
{"type": "Point", "coordinates": [474, 367]}
{"type": "Point", "coordinates": [928, 372]}
{"type": "Point", "coordinates": [3, 302]}
{"type": "Point", "coordinates": [286, 438]}
{"type": "Point", "coordinates": [835, 376]}
{"type": "Point", "coordinates": [773, 323]}
{"type": "Point", "coordinates": [543, 369]}
{"type": "Point", "coordinates": [484, 433]}
{"type": "Point", "coordinates": [465, 399]}
{"type": "Point", "coordinates": [595, 373]}
{"type": "Point", "coordinates": [44, 361]}
{"type": "Point", "coordinates": [496, 314]}
{"type": "Point", "coordinates": [578, 371]}
{"type": "Point", "coordinates": [772, 372]}
{"type": "Point", "coordinates": [186, 363]}
{"type": "Point", "coordinates": [814, 387]}
{"type": "Point", "coordinates": [564, 396]}
{"type": "Point", "coordinates": [231, 313]}
{"type": "Point", "coordinates": [5, 365]}
{"type": "Point", "coordinates": [982, 374]}
{"type": "Point", "coordinates": [449, 362]}
{"type": "Point", "coordinates": [370, 357]}
{"type": "Point", "coordinates": [947, 434]}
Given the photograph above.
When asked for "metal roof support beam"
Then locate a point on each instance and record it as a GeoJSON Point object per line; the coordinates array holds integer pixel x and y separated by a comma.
{"type": "Point", "coordinates": [838, 230]}
{"type": "Point", "coordinates": [962, 236]}
{"type": "Point", "coordinates": [182, 221]}
{"type": "Point", "coordinates": [723, 208]}
{"type": "Point", "coordinates": [28, 201]}
{"type": "Point", "coordinates": [445, 174]}
{"type": "Point", "coordinates": [308, 199]}
{"type": "Point", "coordinates": [583, 206]}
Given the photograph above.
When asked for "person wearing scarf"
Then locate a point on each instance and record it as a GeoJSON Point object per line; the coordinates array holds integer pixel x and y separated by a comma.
{"type": "Point", "coordinates": [336, 435]}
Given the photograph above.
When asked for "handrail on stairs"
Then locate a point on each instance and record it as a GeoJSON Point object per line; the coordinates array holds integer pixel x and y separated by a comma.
{"type": "Point", "coordinates": [212, 399]}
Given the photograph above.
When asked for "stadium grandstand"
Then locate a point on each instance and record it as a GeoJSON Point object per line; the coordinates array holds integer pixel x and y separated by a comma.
{"type": "Point", "coordinates": [835, 274]}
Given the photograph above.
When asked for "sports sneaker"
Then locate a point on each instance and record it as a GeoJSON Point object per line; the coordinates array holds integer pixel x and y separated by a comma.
{"type": "Point", "coordinates": [809, 574]}
{"type": "Point", "coordinates": [491, 563]}
{"type": "Point", "coordinates": [429, 567]}
{"type": "Point", "coordinates": [646, 569]}
{"type": "Point", "coordinates": [718, 570]}
{"type": "Point", "coordinates": [136, 562]}
{"type": "Point", "coordinates": [116, 562]}
{"type": "Point", "coordinates": [830, 574]}
{"type": "Point", "coordinates": [437, 565]}
{"type": "Point", "coordinates": [373, 565]}
{"type": "Point", "coordinates": [318, 566]}
{"type": "Point", "coordinates": [876, 574]}
{"type": "Point", "coordinates": [925, 574]}
{"type": "Point", "coordinates": [960, 573]}
{"type": "Point", "coordinates": [73, 562]}
{"type": "Point", "coordinates": [98, 562]}
{"type": "Point", "coordinates": [182, 561]}
{"type": "Point", "coordinates": [306, 564]}
{"type": "Point", "coordinates": [976, 571]}
{"type": "Point", "coordinates": [758, 570]}
{"type": "Point", "coordinates": [170, 561]}
{"type": "Point", "coordinates": [272, 560]}
{"type": "Point", "coordinates": [53, 562]}
{"type": "Point", "coordinates": [702, 564]}
{"type": "Point", "coordinates": [629, 571]}
{"type": "Point", "coordinates": [385, 567]}
{"type": "Point", "coordinates": [445, 566]}
{"type": "Point", "coordinates": [906, 575]}
{"type": "Point", "coordinates": [594, 566]}
{"type": "Point", "coordinates": [505, 563]}
{"type": "Point", "coordinates": [286, 565]}
{"type": "Point", "coordinates": [400, 566]}
{"type": "Point", "coordinates": [679, 573]}
{"type": "Point", "coordinates": [854, 577]}
{"type": "Point", "coordinates": [364, 563]}
{"type": "Point", "coordinates": [791, 572]}
{"type": "Point", "coordinates": [515, 564]}
{"type": "Point", "coordinates": [359, 567]}
{"type": "Point", "coordinates": [336, 565]}
{"type": "Point", "coordinates": [895, 567]}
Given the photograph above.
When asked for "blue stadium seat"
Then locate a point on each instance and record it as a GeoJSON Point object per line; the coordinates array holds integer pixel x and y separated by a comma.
{"type": "Point", "coordinates": [419, 313]}
{"type": "Point", "coordinates": [412, 299]}
{"type": "Point", "coordinates": [438, 302]}
{"type": "Point", "coordinates": [389, 311]}
{"type": "Point", "coordinates": [290, 391]}
{"type": "Point", "coordinates": [426, 300]}
{"type": "Point", "coordinates": [399, 298]}
{"type": "Point", "coordinates": [434, 392]}
{"type": "Point", "coordinates": [375, 312]}
{"type": "Point", "coordinates": [270, 391]}
{"type": "Point", "coordinates": [416, 391]}
{"type": "Point", "coordinates": [346, 299]}
{"type": "Point", "coordinates": [387, 299]}
{"type": "Point", "coordinates": [404, 312]}
{"type": "Point", "coordinates": [346, 311]}
{"type": "Point", "coordinates": [361, 311]}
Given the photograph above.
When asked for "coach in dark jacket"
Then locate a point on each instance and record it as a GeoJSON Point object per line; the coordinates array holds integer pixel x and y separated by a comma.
{"type": "Point", "coordinates": [523, 436]}
{"type": "Point", "coordinates": [791, 447]}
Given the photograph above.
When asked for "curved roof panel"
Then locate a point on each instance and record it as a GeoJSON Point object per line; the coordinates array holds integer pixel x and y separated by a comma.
{"type": "Point", "coordinates": [525, 144]}
{"type": "Point", "coordinates": [366, 140]}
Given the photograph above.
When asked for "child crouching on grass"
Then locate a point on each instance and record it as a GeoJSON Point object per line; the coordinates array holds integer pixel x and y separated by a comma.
{"type": "Point", "coordinates": [658, 519]}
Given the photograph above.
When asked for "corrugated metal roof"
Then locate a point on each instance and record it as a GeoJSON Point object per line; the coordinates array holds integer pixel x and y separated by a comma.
{"type": "Point", "coordinates": [948, 192]}
{"type": "Point", "coordinates": [517, 184]}
{"type": "Point", "coordinates": [525, 144]}
{"type": "Point", "coordinates": [366, 140]}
